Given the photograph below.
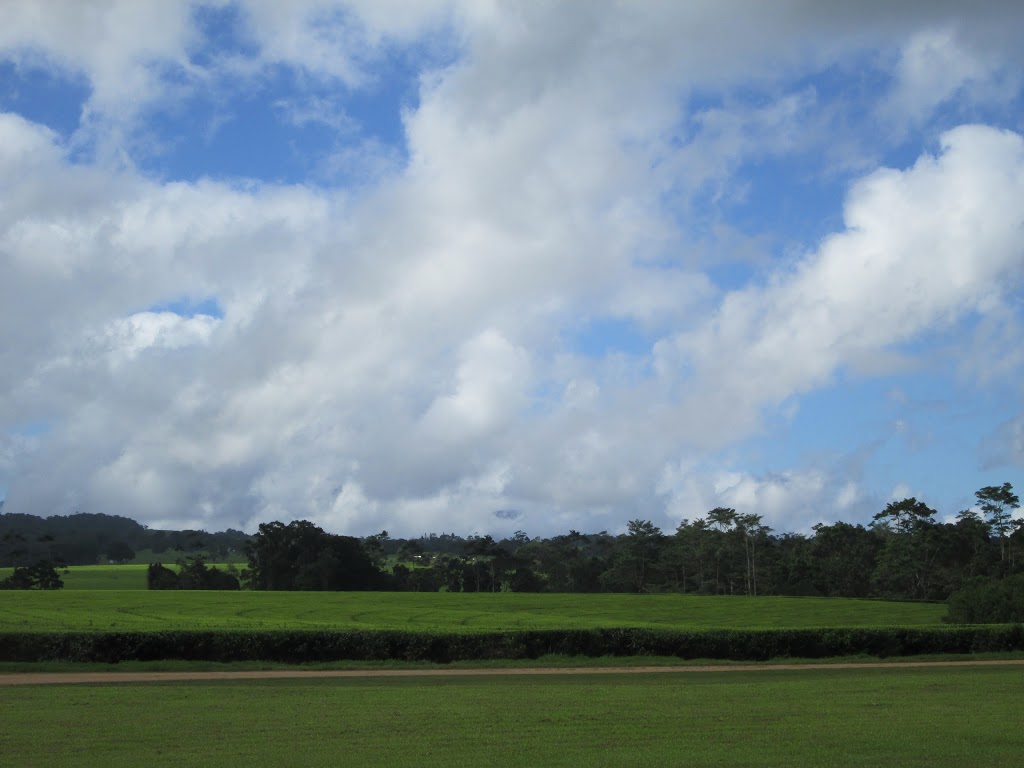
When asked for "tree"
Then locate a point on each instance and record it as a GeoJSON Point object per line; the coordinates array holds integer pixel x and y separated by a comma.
{"type": "Point", "coordinates": [690, 554]}
{"type": "Point", "coordinates": [753, 533]}
{"type": "Point", "coordinates": [972, 551]}
{"type": "Point", "coordinates": [904, 516]}
{"type": "Point", "coordinates": [40, 575]}
{"type": "Point", "coordinates": [998, 503]}
{"type": "Point", "coordinates": [374, 546]}
{"type": "Point", "coordinates": [485, 555]}
{"type": "Point", "coordinates": [159, 576]}
{"type": "Point", "coordinates": [120, 552]}
{"type": "Point", "coordinates": [634, 567]}
{"type": "Point", "coordinates": [15, 543]}
{"type": "Point", "coordinates": [722, 546]}
{"type": "Point", "coordinates": [193, 573]}
{"type": "Point", "coordinates": [410, 551]}
{"type": "Point", "coordinates": [302, 556]}
{"type": "Point", "coordinates": [843, 558]}
{"type": "Point", "coordinates": [912, 545]}
{"type": "Point", "coordinates": [792, 559]}
{"type": "Point", "coordinates": [519, 539]}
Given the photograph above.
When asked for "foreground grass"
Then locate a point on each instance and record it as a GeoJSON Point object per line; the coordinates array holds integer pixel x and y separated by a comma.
{"type": "Point", "coordinates": [863, 717]}
{"type": "Point", "coordinates": [144, 610]}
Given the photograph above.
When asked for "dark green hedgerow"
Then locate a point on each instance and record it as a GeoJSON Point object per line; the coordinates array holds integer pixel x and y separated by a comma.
{"type": "Point", "coordinates": [299, 646]}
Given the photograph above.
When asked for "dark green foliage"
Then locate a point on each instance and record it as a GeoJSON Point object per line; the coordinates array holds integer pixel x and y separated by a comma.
{"type": "Point", "coordinates": [983, 601]}
{"type": "Point", "coordinates": [40, 575]}
{"type": "Point", "coordinates": [302, 556]}
{"type": "Point", "coordinates": [120, 552]}
{"type": "Point", "coordinates": [300, 646]}
{"type": "Point", "coordinates": [160, 577]}
{"type": "Point", "coordinates": [193, 573]}
{"type": "Point", "coordinates": [84, 538]}
{"type": "Point", "coordinates": [998, 503]}
{"type": "Point", "coordinates": [905, 516]}
{"type": "Point", "coordinates": [636, 564]}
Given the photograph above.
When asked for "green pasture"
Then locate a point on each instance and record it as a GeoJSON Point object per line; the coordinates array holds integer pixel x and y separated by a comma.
{"type": "Point", "coordinates": [862, 717]}
{"type": "Point", "coordinates": [145, 610]}
{"type": "Point", "coordinates": [130, 576]}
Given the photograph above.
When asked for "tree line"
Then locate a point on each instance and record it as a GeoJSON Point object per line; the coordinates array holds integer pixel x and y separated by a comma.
{"type": "Point", "coordinates": [905, 552]}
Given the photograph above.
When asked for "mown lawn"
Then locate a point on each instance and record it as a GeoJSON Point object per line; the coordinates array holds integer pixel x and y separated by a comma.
{"type": "Point", "coordinates": [864, 717]}
{"type": "Point", "coordinates": [145, 610]}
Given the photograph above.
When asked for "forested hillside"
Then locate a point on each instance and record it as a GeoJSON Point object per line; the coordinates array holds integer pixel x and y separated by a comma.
{"type": "Point", "coordinates": [86, 539]}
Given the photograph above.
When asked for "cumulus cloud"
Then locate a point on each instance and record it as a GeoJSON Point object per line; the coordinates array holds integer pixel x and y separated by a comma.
{"type": "Point", "coordinates": [403, 353]}
{"type": "Point", "coordinates": [121, 47]}
{"type": "Point", "coordinates": [922, 247]}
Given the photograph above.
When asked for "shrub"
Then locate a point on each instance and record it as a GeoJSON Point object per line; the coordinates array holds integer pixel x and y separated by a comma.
{"type": "Point", "coordinates": [988, 601]}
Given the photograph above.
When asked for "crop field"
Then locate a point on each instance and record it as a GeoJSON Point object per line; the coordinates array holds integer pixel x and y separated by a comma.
{"type": "Point", "coordinates": [145, 610]}
{"type": "Point", "coordinates": [859, 717]}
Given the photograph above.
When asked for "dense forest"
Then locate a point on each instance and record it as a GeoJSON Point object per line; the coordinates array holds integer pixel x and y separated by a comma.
{"type": "Point", "coordinates": [904, 553]}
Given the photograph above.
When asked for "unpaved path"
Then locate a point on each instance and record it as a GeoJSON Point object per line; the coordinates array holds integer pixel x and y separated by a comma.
{"type": "Point", "coordinates": [65, 678]}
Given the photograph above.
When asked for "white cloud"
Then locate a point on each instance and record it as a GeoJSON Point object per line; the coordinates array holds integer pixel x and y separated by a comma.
{"type": "Point", "coordinates": [847, 495]}
{"type": "Point", "coordinates": [122, 47]}
{"type": "Point", "coordinates": [938, 64]}
{"type": "Point", "coordinates": [400, 354]}
{"type": "Point", "coordinates": [790, 501]}
{"type": "Point", "coordinates": [899, 492]}
{"type": "Point", "coordinates": [154, 330]}
{"type": "Point", "coordinates": [490, 387]}
{"type": "Point", "coordinates": [922, 247]}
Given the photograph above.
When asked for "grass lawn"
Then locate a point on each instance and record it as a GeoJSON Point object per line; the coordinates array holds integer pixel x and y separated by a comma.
{"type": "Point", "coordinates": [145, 610]}
{"type": "Point", "coordinates": [862, 717]}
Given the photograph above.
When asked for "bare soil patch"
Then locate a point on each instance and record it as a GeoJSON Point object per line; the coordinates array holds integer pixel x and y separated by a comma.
{"type": "Point", "coordinates": [94, 678]}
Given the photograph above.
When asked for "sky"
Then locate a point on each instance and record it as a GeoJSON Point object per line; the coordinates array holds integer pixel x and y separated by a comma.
{"type": "Point", "coordinates": [477, 266]}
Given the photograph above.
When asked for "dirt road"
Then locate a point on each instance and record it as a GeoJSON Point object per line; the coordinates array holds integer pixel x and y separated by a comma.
{"type": "Point", "coordinates": [93, 678]}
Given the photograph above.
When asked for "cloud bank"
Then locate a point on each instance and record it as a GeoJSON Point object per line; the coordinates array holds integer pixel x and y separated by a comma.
{"type": "Point", "coordinates": [612, 246]}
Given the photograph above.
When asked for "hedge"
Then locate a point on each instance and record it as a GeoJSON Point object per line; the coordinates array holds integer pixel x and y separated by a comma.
{"type": "Point", "coordinates": [298, 646]}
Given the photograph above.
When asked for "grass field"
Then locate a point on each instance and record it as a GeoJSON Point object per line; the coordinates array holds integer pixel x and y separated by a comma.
{"type": "Point", "coordinates": [869, 717]}
{"type": "Point", "coordinates": [131, 576]}
{"type": "Point", "coordinates": [144, 610]}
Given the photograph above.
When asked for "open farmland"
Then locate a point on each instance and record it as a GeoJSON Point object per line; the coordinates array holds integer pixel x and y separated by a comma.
{"type": "Point", "coordinates": [869, 717]}
{"type": "Point", "coordinates": [145, 610]}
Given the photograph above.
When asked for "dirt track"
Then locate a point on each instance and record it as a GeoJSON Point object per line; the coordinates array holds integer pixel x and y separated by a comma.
{"type": "Point", "coordinates": [66, 678]}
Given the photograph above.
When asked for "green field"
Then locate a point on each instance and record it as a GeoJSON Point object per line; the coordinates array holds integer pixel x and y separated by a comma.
{"type": "Point", "coordinates": [144, 610]}
{"type": "Point", "coordinates": [870, 717]}
{"type": "Point", "coordinates": [131, 576]}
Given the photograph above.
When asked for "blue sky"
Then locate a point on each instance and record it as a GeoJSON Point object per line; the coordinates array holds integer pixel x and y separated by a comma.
{"type": "Point", "coordinates": [406, 265]}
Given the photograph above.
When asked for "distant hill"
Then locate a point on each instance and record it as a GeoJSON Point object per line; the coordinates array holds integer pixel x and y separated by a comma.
{"type": "Point", "coordinates": [89, 538]}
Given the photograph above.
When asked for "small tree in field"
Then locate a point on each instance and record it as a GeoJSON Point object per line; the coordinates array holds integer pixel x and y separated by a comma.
{"type": "Point", "coordinates": [40, 575]}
